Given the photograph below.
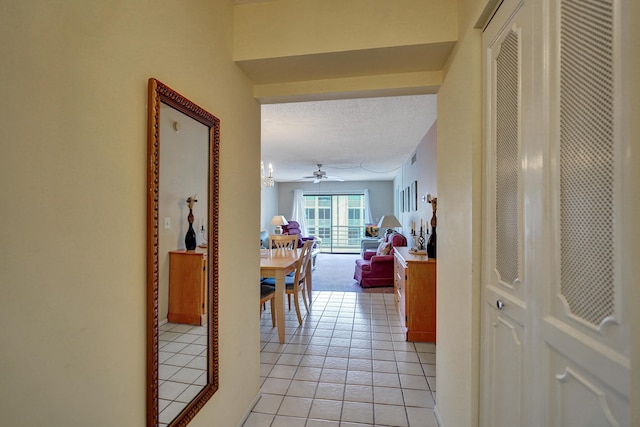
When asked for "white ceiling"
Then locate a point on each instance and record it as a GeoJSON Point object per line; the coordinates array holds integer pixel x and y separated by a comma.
{"type": "Point", "coordinates": [357, 139]}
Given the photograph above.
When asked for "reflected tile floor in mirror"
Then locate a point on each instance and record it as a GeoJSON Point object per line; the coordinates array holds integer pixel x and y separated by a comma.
{"type": "Point", "coordinates": [182, 367]}
{"type": "Point", "coordinates": [348, 365]}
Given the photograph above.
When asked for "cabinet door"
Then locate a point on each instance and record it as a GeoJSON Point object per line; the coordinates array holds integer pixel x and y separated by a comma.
{"type": "Point", "coordinates": [420, 301]}
{"type": "Point", "coordinates": [585, 327]}
{"type": "Point", "coordinates": [504, 310]}
{"type": "Point", "coordinates": [556, 272]}
{"type": "Point", "coordinates": [187, 288]}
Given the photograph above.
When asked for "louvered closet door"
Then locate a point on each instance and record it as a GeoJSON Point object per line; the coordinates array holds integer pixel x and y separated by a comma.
{"type": "Point", "coordinates": [585, 324]}
{"type": "Point", "coordinates": [504, 310]}
{"type": "Point", "coordinates": [555, 326]}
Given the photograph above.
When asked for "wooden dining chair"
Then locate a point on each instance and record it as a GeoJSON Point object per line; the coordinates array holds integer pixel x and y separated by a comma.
{"type": "Point", "coordinates": [298, 285]}
{"type": "Point", "coordinates": [267, 293]}
{"type": "Point", "coordinates": [283, 241]}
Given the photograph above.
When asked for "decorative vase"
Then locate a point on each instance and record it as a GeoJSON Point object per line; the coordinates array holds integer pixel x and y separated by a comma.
{"type": "Point", "coordinates": [431, 244]}
{"type": "Point", "coordinates": [190, 238]}
{"type": "Point", "coordinates": [420, 240]}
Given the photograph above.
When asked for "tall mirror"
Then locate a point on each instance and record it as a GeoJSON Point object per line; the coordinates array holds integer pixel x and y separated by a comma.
{"type": "Point", "coordinates": [182, 259]}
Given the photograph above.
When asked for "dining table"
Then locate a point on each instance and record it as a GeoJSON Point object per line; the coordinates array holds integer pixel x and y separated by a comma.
{"type": "Point", "coordinates": [277, 263]}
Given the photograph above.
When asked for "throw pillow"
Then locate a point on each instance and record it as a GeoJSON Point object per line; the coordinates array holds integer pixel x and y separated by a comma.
{"type": "Point", "coordinates": [384, 249]}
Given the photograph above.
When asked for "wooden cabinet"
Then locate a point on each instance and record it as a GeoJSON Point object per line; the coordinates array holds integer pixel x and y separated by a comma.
{"type": "Point", "coordinates": [415, 294]}
{"type": "Point", "coordinates": [188, 287]}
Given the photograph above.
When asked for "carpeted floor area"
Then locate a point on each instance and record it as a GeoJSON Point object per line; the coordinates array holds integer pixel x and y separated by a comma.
{"type": "Point", "coordinates": [334, 272]}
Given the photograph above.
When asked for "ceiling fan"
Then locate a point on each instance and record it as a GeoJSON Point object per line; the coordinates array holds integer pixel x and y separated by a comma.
{"type": "Point", "coordinates": [319, 175]}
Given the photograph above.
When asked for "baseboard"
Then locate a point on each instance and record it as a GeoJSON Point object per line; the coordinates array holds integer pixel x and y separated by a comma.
{"type": "Point", "coordinates": [248, 411]}
{"type": "Point", "coordinates": [438, 419]}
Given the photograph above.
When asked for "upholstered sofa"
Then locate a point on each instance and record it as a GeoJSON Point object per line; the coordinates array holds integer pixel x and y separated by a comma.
{"type": "Point", "coordinates": [373, 270]}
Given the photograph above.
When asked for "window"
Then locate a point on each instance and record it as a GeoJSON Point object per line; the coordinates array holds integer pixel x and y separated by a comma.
{"type": "Point", "coordinates": [310, 214]}
{"type": "Point", "coordinates": [337, 219]}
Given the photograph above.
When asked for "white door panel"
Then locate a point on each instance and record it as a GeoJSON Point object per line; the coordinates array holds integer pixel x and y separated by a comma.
{"type": "Point", "coordinates": [505, 369]}
{"type": "Point", "coordinates": [599, 359]}
{"type": "Point", "coordinates": [555, 323]}
{"type": "Point", "coordinates": [504, 310]}
{"type": "Point", "coordinates": [584, 315]}
{"type": "Point", "coordinates": [578, 399]}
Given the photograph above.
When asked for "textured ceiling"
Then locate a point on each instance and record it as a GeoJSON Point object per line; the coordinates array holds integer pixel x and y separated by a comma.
{"type": "Point", "coordinates": [356, 139]}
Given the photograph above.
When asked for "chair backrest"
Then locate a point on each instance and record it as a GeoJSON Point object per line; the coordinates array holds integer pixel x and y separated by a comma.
{"type": "Point", "coordinates": [303, 261]}
{"type": "Point", "coordinates": [283, 241]}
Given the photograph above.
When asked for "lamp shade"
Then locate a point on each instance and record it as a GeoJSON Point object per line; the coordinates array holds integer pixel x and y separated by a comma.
{"type": "Point", "coordinates": [389, 221]}
{"type": "Point", "coordinates": [280, 220]}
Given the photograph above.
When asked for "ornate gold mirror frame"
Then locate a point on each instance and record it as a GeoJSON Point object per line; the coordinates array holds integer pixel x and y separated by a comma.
{"type": "Point", "coordinates": [160, 94]}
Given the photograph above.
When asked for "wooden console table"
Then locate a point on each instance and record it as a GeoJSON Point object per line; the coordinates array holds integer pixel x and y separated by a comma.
{"type": "Point", "coordinates": [415, 294]}
{"type": "Point", "coordinates": [188, 287]}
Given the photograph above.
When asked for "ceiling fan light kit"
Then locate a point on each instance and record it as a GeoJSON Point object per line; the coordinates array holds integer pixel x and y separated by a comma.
{"type": "Point", "coordinates": [320, 175]}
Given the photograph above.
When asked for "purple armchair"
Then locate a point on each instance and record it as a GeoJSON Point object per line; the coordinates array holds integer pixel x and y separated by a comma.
{"type": "Point", "coordinates": [377, 270]}
{"type": "Point", "coordinates": [294, 228]}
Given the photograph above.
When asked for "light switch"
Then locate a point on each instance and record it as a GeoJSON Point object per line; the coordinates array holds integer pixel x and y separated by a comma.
{"type": "Point", "coordinates": [167, 223]}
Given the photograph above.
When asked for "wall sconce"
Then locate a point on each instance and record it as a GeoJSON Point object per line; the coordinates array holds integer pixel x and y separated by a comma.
{"type": "Point", "coordinates": [427, 198]}
{"type": "Point", "coordinates": [267, 181]}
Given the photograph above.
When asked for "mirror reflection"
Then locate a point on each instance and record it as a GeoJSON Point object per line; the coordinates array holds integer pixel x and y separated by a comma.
{"type": "Point", "coordinates": [182, 285]}
{"type": "Point", "coordinates": [182, 268]}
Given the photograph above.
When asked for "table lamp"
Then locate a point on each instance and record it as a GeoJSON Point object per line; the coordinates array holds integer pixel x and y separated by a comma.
{"type": "Point", "coordinates": [389, 222]}
{"type": "Point", "coordinates": [279, 221]}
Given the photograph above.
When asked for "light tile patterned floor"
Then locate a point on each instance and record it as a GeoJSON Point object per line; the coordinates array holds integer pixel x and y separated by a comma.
{"type": "Point", "coordinates": [182, 367]}
{"type": "Point", "coordinates": [348, 365]}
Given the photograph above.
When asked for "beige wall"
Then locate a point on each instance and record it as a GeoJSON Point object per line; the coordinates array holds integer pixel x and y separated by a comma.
{"type": "Point", "coordinates": [459, 204]}
{"type": "Point", "coordinates": [303, 50]}
{"type": "Point", "coordinates": [632, 13]}
{"type": "Point", "coordinates": [265, 29]}
{"type": "Point", "coordinates": [72, 180]}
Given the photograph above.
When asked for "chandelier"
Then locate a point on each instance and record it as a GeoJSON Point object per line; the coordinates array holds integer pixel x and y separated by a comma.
{"type": "Point", "coordinates": [267, 181]}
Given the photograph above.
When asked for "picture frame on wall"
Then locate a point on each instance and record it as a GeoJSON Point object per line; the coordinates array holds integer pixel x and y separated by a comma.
{"type": "Point", "coordinates": [407, 195]}
{"type": "Point", "coordinates": [414, 195]}
{"type": "Point", "coordinates": [402, 201]}
{"type": "Point", "coordinates": [396, 199]}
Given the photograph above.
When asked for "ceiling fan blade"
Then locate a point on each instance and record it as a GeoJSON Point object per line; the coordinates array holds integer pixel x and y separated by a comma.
{"type": "Point", "coordinates": [317, 180]}
{"type": "Point", "coordinates": [334, 178]}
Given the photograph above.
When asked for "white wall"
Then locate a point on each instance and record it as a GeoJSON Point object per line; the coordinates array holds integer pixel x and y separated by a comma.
{"type": "Point", "coordinates": [268, 206]}
{"type": "Point", "coordinates": [423, 170]}
{"type": "Point", "coordinates": [73, 166]}
{"type": "Point", "coordinates": [380, 193]}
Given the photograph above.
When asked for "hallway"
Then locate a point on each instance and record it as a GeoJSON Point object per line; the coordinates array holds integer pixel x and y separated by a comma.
{"type": "Point", "coordinates": [346, 366]}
